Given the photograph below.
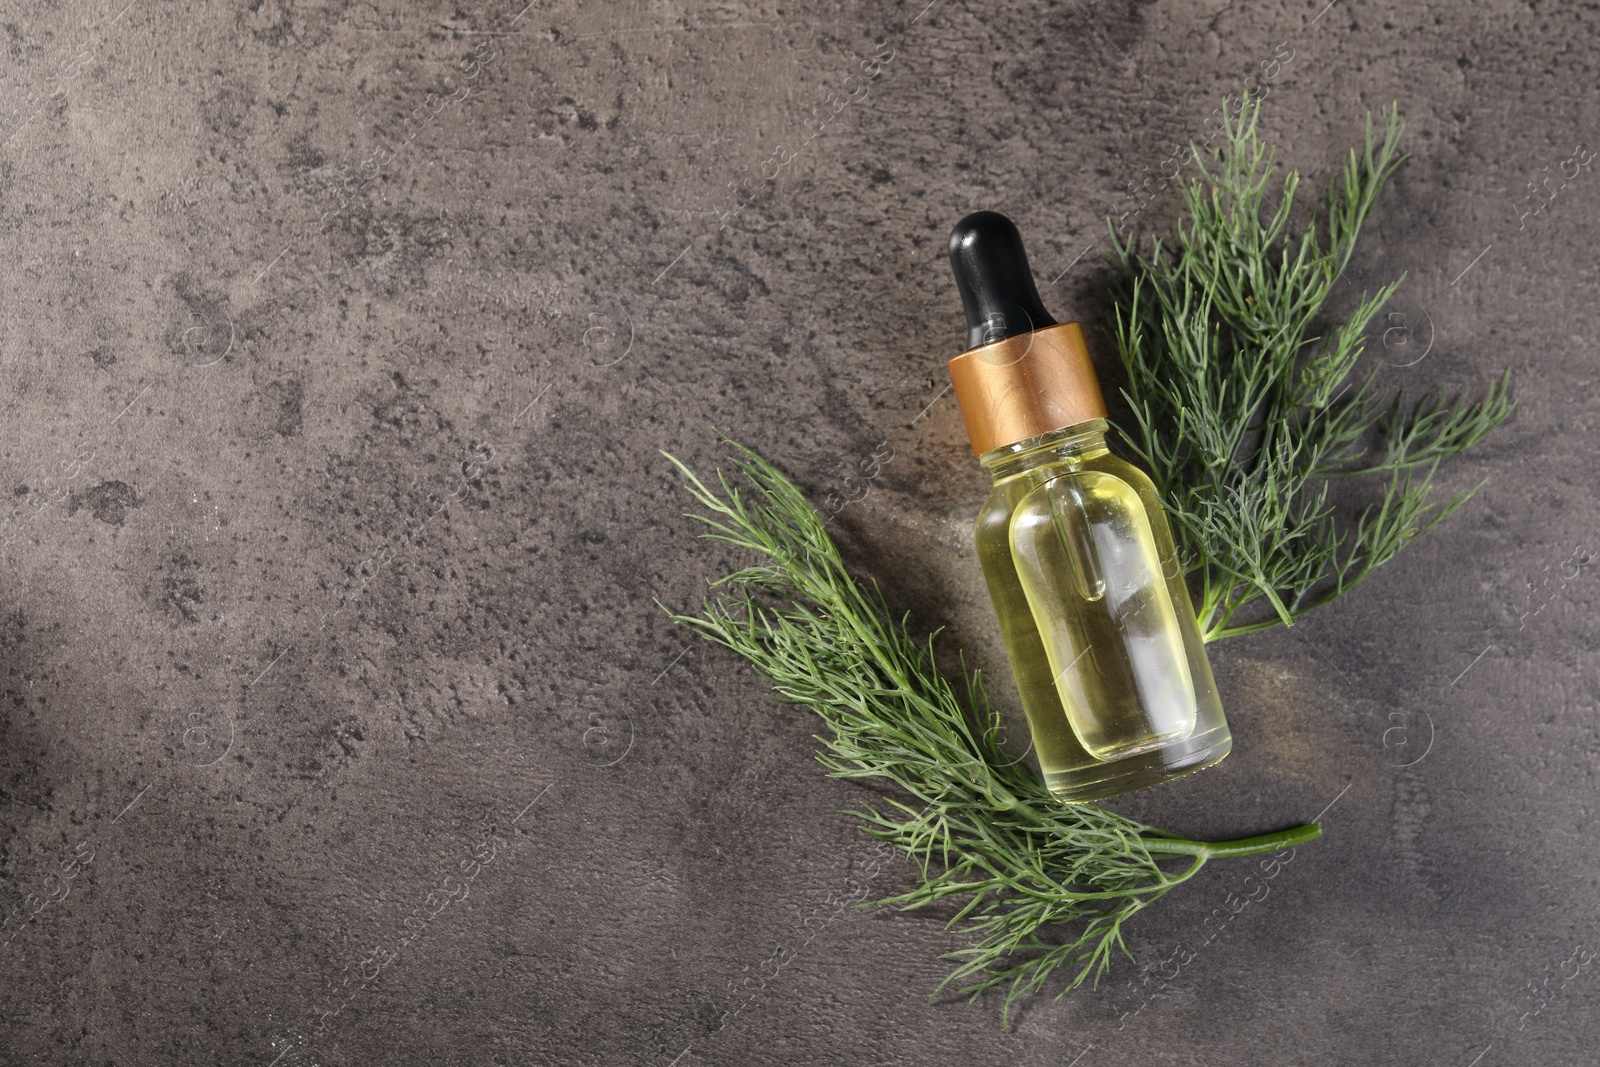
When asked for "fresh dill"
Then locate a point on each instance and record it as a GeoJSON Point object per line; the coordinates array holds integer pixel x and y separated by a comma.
{"type": "Point", "coordinates": [978, 824]}
{"type": "Point", "coordinates": [1243, 417]}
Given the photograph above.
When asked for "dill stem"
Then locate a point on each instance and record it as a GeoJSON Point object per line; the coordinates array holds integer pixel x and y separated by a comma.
{"type": "Point", "coordinates": [1244, 846]}
{"type": "Point", "coordinates": [1223, 631]}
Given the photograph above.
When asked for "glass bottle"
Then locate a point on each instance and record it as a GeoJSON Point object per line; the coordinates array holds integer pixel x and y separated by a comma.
{"type": "Point", "coordinates": [1075, 546]}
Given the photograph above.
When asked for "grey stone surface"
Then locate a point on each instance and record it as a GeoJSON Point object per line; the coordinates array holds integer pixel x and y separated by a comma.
{"type": "Point", "coordinates": [337, 524]}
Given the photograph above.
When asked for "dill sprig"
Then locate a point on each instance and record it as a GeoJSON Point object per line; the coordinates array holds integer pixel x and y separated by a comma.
{"type": "Point", "coordinates": [1042, 885]}
{"type": "Point", "coordinates": [1242, 416]}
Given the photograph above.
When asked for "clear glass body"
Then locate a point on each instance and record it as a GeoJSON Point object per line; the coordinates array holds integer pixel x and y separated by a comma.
{"type": "Point", "coordinates": [1096, 617]}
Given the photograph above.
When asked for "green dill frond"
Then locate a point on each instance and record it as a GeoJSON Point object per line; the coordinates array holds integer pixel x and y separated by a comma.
{"type": "Point", "coordinates": [1242, 416]}
{"type": "Point", "coordinates": [1044, 886]}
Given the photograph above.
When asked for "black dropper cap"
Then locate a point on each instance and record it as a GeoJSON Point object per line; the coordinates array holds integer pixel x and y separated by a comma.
{"type": "Point", "coordinates": [992, 274]}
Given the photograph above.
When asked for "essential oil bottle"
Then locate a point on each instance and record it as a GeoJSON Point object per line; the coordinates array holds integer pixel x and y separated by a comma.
{"type": "Point", "coordinates": [1075, 545]}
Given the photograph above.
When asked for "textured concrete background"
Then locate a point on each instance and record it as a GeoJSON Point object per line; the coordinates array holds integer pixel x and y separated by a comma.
{"type": "Point", "coordinates": [337, 523]}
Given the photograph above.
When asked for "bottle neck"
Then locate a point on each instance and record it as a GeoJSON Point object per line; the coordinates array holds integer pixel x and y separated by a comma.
{"type": "Point", "coordinates": [1067, 443]}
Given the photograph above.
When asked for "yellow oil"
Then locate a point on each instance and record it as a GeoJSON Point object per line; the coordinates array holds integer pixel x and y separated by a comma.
{"type": "Point", "coordinates": [1115, 683]}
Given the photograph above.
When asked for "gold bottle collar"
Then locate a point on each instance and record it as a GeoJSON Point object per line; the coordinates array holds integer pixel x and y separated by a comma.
{"type": "Point", "coordinates": [1026, 385]}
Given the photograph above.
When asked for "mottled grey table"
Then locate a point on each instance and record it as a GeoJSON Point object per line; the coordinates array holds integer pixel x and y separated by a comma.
{"type": "Point", "coordinates": [340, 722]}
